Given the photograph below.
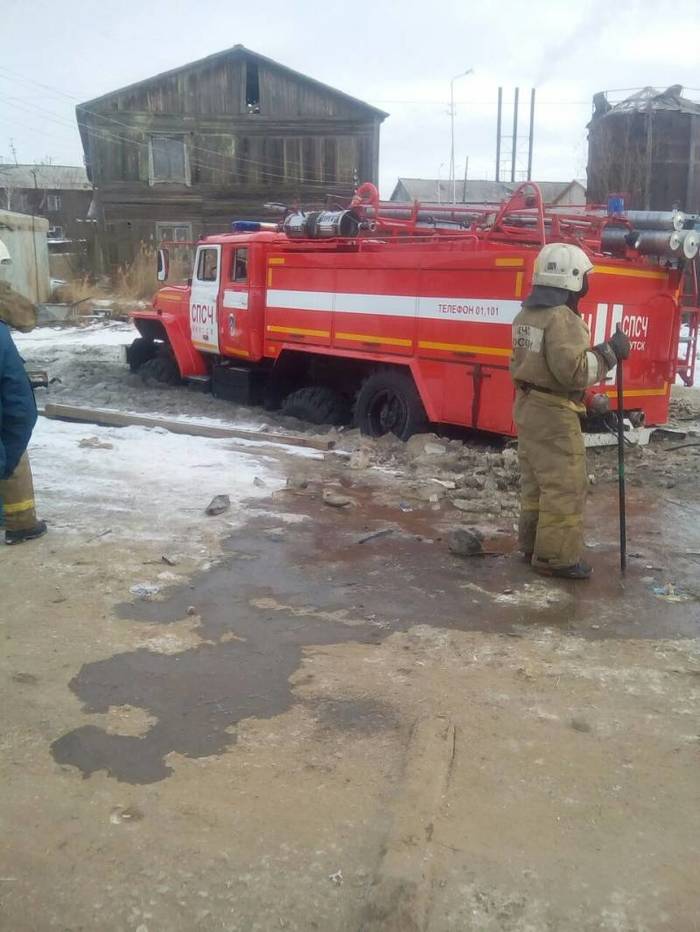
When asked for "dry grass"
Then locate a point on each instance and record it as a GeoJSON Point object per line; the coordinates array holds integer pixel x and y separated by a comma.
{"type": "Point", "coordinates": [77, 290]}
{"type": "Point", "coordinates": [138, 279]}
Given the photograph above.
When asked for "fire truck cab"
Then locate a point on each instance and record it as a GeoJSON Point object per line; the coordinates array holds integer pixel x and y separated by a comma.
{"type": "Point", "coordinates": [400, 315]}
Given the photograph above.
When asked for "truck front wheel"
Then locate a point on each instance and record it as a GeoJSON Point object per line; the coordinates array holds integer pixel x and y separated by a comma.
{"type": "Point", "coordinates": [162, 368]}
{"type": "Point", "coordinates": [388, 403]}
{"type": "Point", "coordinates": [140, 351]}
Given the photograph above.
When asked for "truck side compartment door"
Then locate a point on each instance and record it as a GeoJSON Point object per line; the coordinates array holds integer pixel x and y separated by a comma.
{"type": "Point", "coordinates": [236, 321]}
{"type": "Point", "coordinates": [204, 299]}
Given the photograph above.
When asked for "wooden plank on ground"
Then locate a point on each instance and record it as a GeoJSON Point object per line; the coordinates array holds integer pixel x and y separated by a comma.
{"type": "Point", "coordinates": [108, 418]}
{"type": "Point", "coordinates": [401, 892]}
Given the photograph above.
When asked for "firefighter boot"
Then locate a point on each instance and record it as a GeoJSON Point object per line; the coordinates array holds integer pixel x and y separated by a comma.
{"type": "Point", "coordinates": [17, 497]}
{"type": "Point", "coordinates": [580, 570]}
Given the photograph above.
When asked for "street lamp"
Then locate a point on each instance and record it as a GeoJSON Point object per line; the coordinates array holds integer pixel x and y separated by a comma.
{"type": "Point", "coordinates": [462, 74]}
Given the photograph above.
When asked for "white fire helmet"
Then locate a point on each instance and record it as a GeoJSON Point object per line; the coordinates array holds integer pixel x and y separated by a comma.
{"type": "Point", "coordinates": [560, 265]}
{"type": "Point", "coordinates": [5, 261]}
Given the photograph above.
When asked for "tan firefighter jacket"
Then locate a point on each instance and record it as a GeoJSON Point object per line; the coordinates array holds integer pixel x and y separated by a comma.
{"type": "Point", "coordinates": [16, 310]}
{"type": "Point", "coordinates": [552, 351]}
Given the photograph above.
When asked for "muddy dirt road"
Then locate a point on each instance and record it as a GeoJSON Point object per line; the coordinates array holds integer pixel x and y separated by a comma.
{"type": "Point", "coordinates": [307, 714]}
{"type": "Point", "coordinates": [308, 729]}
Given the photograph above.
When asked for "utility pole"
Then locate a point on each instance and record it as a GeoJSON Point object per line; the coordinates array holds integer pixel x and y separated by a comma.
{"type": "Point", "coordinates": [462, 74]}
{"type": "Point", "coordinates": [532, 134]}
{"type": "Point", "coordinates": [466, 172]}
{"type": "Point", "coordinates": [499, 133]}
{"type": "Point", "coordinates": [515, 134]}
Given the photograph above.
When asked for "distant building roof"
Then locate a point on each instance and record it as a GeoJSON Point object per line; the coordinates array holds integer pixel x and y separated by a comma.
{"type": "Point", "coordinates": [236, 51]}
{"type": "Point", "coordinates": [646, 98]}
{"type": "Point", "coordinates": [48, 177]}
{"type": "Point", "coordinates": [477, 191]}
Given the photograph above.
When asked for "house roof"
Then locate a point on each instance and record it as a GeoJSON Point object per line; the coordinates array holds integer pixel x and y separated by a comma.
{"type": "Point", "coordinates": [237, 51]}
{"type": "Point", "coordinates": [477, 191]}
{"type": "Point", "coordinates": [51, 177]}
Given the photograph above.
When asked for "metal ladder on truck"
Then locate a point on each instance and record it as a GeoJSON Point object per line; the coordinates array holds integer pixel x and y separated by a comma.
{"type": "Point", "coordinates": [690, 319]}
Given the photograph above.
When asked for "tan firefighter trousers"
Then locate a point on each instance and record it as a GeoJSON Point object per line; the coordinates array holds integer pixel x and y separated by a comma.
{"type": "Point", "coordinates": [553, 477]}
{"type": "Point", "coordinates": [17, 497]}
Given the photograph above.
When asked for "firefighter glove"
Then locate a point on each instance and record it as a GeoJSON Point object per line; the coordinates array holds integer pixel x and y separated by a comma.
{"type": "Point", "coordinates": [617, 347]}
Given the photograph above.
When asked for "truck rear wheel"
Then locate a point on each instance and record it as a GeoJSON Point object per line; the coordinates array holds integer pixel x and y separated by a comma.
{"type": "Point", "coordinates": [140, 351]}
{"type": "Point", "coordinates": [318, 405]}
{"type": "Point", "coordinates": [388, 403]}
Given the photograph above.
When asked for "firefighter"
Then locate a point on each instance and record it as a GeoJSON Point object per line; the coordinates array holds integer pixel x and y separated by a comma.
{"type": "Point", "coordinates": [17, 417]}
{"type": "Point", "coordinates": [552, 365]}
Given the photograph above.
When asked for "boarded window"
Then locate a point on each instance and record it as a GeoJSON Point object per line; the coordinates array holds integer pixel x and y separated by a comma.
{"type": "Point", "coordinates": [168, 159]}
{"type": "Point", "coordinates": [207, 265]}
{"type": "Point", "coordinates": [239, 266]}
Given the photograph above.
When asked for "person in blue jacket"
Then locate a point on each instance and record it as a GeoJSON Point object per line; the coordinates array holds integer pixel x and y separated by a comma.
{"type": "Point", "coordinates": [17, 418]}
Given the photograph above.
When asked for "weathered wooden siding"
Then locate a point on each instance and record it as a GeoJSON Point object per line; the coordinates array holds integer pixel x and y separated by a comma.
{"type": "Point", "coordinates": [306, 141]}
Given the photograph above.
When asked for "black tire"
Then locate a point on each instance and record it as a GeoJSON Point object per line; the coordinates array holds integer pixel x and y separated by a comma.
{"type": "Point", "coordinates": [318, 405]}
{"type": "Point", "coordinates": [388, 403]}
{"type": "Point", "coordinates": [140, 351]}
{"type": "Point", "coordinates": [162, 368]}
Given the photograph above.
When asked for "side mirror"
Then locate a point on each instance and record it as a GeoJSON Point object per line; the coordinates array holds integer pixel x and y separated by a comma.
{"type": "Point", "coordinates": [163, 265]}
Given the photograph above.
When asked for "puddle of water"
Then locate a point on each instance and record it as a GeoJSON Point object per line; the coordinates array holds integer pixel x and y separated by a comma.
{"type": "Point", "coordinates": [313, 584]}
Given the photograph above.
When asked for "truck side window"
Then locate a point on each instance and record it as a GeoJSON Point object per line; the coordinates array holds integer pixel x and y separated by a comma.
{"type": "Point", "coordinates": [207, 265]}
{"type": "Point", "coordinates": [239, 267]}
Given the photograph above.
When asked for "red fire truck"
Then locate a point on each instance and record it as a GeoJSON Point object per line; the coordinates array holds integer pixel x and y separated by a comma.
{"type": "Point", "coordinates": [401, 314]}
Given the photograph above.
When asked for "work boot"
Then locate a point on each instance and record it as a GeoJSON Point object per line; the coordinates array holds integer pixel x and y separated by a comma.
{"type": "Point", "coordinates": [29, 533]}
{"type": "Point", "coordinates": [580, 570]}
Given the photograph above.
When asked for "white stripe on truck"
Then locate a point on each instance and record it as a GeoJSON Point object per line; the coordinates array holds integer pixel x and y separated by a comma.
{"type": "Point", "coordinates": [479, 310]}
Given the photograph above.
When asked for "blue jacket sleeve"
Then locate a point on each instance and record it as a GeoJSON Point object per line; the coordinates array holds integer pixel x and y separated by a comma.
{"type": "Point", "coordinates": [17, 405]}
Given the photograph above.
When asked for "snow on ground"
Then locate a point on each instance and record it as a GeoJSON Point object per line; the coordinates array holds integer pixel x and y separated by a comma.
{"type": "Point", "coordinates": [142, 483]}
{"type": "Point", "coordinates": [116, 333]}
{"type": "Point", "coordinates": [88, 366]}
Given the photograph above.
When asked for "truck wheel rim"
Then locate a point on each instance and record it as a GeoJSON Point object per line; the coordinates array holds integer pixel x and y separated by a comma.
{"type": "Point", "coordinates": [387, 413]}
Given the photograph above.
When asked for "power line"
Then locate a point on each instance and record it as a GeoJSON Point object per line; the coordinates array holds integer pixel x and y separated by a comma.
{"type": "Point", "coordinates": [107, 135]}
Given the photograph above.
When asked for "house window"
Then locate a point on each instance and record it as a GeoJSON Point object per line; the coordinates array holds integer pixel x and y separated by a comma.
{"type": "Point", "coordinates": [174, 232]}
{"type": "Point", "coordinates": [53, 202]}
{"type": "Point", "coordinates": [252, 87]}
{"type": "Point", "coordinates": [207, 266]}
{"type": "Point", "coordinates": [239, 266]}
{"type": "Point", "coordinates": [168, 160]}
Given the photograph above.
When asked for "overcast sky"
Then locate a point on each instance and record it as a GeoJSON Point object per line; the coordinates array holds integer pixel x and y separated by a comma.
{"type": "Point", "coordinates": [399, 56]}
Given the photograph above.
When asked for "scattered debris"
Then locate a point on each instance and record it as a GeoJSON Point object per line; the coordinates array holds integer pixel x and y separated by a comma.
{"type": "Point", "coordinates": [191, 610]}
{"type": "Point", "coordinates": [669, 593]}
{"type": "Point", "coordinates": [218, 505]}
{"type": "Point", "coordinates": [94, 443]}
{"type": "Point", "coordinates": [466, 542]}
{"type": "Point", "coordinates": [579, 724]}
{"type": "Point", "coordinates": [259, 483]}
{"type": "Point", "coordinates": [145, 591]}
{"type": "Point", "coordinates": [382, 532]}
{"type": "Point", "coordinates": [97, 536]}
{"type": "Point", "coordinates": [359, 459]}
{"type": "Point", "coordinates": [169, 561]}
{"type": "Point", "coordinates": [27, 678]}
{"type": "Point", "coordinates": [297, 483]}
{"type": "Point", "coordinates": [477, 507]}
{"type": "Point", "coordinates": [336, 878]}
{"type": "Point", "coordinates": [127, 814]}
{"type": "Point", "coordinates": [336, 500]}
